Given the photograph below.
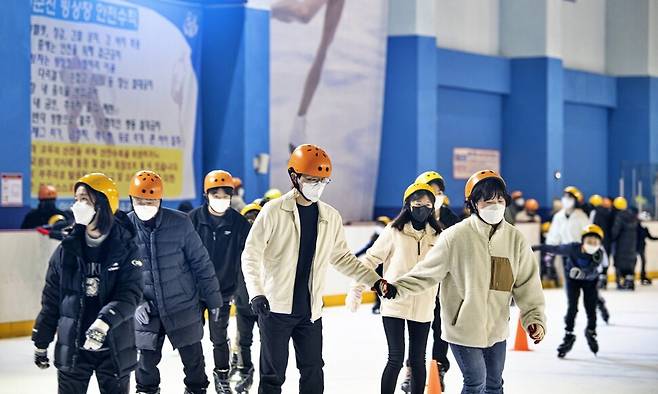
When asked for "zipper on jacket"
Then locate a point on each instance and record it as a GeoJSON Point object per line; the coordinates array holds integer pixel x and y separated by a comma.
{"type": "Point", "coordinates": [454, 320]}
{"type": "Point", "coordinates": [214, 235]}
{"type": "Point", "coordinates": [419, 248]}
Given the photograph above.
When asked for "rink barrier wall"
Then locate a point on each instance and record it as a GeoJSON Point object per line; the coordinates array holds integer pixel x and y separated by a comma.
{"type": "Point", "coordinates": [26, 254]}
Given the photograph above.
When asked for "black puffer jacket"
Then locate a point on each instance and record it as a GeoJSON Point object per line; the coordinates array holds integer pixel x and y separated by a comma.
{"type": "Point", "coordinates": [62, 303]}
{"type": "Point", "coordinates": [224, 243]}
{"type": "Point", "coordinates": [624, 237]}
{"type": "Point", "coordinates": [177, 272]}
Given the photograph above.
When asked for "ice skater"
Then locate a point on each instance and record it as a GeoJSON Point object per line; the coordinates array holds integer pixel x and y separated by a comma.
{"type": "Point", "coordinates": [285, 260]}
{"type": "Point", "coordinates": [581, 270]}
{"type": "Point", "coordinates": [93, 285]}
{"type": "Point", "coordinates": [401, 245]}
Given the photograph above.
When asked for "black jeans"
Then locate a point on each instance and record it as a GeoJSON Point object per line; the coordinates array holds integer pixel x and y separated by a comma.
{"type": "Point", "coordinates": [643, 267]}
{"type": "Point", "coordinates": [147, 374]}
{"type": "Point", "coordinates": [590, 298]}
{"type": "Point", "coordinates": [440, 347]}
{"type": "Point", "coordinates": [418, 333]}
{"type": "Point", "coordinates": [275, 333]}
{"type": "Point", "coordinates": [76, 381]}
{"type": "Point", "coordinates": [246, 319]}
{"type": "Point", "coordinates": [219, 337]}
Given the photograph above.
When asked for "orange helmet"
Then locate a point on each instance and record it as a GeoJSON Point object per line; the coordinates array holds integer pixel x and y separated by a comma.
{"type": "Point", "coordinates": [310, 160]}
{"type": "Point", "coordinates": [146, 184]}
{"type": "Point", "coordinates": [218, 178]}
{"type": "Point", "coordinates": [517, 194]}
{"type": "Point", "coordinates": [532, 205]}
{"type": "Point", "coordinates": [477, 177]}
{"type": "Point", "coordinates": [237, 182]}
{"type": "Point", "coordinates": [47, 192]}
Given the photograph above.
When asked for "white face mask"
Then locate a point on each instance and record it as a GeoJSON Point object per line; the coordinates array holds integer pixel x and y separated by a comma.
{"type": "Point", "coordinates": [440, 199]}
{"type": "Point", "coordinates": [568, 202]}
{"type": "Point", "coordinates": [145, 212]}
{"type": "Point", "coordinates": [520, 202]}
{"type": "Point", "coordinates": [492, 214]}
{"type": "Point", "coordinates": [83, 213]}
{"type": "Point", "coordinates": [591, 249]}
{"type": "Point", "coordinates": [312, 191]}
{"type": "Point", "coordinates": [219, 205]}
{"type": "Point", "coordinates": [241, 192]}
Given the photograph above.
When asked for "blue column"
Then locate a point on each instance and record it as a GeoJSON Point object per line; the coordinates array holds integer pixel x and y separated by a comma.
{"type": "Point", "coordinates": [409, 123]}
{"type": "Point", "coordinates": [235, 92]}
{"type": "Point", "coordinates": [633, 135]}
{"type": "Point", "coordinates": [15, 151]}
{"type": "Point", "coordinates": [533, 128]}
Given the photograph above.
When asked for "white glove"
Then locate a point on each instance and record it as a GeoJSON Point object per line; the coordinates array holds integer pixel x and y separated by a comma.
{"type": "Point", "coordinates": [96, 335]}
{"type": "Point", "coordinates": [576, 273]}
{"type": "Point", "coordinates": [354, 297]}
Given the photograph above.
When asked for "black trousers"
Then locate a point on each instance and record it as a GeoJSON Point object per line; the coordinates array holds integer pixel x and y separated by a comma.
{"type": "Point", "coordinates": [440, 347]}
{"type": "Point", "coordinates": [418, 333]}
{"type": "Point", "coordinates": [590, 298]}
{"type": "Point", "coordinates": [276, 330]}
{"type": "Point", "coordinates": [76, 381]}
{"type": "Point", "coordinates": [219, 337]}
{"type": "Point", "coordinates": [246, 320]}
{"type": "Point", "coordinates": [643, 267]}
{"type": "Point", "coordinates": [148, 375]}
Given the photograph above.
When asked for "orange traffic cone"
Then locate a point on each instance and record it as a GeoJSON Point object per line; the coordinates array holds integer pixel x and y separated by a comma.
{"type": "Point", "coordinates": [434, 386]}
{"type": "Point", "coordinates": [521, 341]}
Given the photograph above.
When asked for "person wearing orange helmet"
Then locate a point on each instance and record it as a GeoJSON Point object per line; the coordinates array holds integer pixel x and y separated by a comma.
{"type": "Point", "coordinates": [46, 209]}
{"type": "Point", "coordinates": [177, 274]}
{"type": "Point", "coordinates": [517, 205]}
{"type": "Point", "coordinates": [223, 231]}
{"type": "Point", "coordinates": [285, 260]}
{"type": "Point", "coordinates": [529, 212]}
{"type": "Point", "coordinates": [481, 263]}
{"type": "Point", "coordinates": [93, 285]}
{"type": "Point", "coordinates": [237, 201]}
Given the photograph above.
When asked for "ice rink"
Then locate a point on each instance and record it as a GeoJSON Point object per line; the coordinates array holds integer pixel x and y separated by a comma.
{"type": "Point", "coordinates": [355, 354]}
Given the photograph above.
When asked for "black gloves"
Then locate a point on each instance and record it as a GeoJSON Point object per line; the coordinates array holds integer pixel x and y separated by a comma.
{"type": "Point", "coordinates": [385, 289]}
{"type": "Point", "coordinates": [260, 305]}
{"type": "Point", "coordinates": [41, 358]}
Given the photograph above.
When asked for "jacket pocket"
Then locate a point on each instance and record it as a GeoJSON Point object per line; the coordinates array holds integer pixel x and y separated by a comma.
{"type": "Point", "coordinates": [502, 277]}
{"type": "Point", "coordinates": [459, 308]}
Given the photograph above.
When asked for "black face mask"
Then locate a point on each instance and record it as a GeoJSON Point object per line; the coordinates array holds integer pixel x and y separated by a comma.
{"type": "Point", "coordinates": [420, 214]}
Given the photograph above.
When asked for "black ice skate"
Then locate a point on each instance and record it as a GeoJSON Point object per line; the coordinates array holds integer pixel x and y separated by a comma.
{"type": "Point", "coordinates": [406, 384]}
{"type": "Point", "coordinates": [234, 365]}
{"type": "Point", "coordinates": [605, 315]}
{"type": "Point", "coordinates": [246, 380]}
{"type": "Point", "coordinates": [222, 385]}
{"type": "Point", "coordinates": [591, 341]}
{"type": "Point", "coordinates": [645, 281]}
{"type": "Point", "coordinates": [566, 345]}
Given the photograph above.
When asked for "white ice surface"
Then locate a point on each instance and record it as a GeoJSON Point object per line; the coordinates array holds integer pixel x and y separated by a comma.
{"type": "Point", "coordinates": [355, 355]}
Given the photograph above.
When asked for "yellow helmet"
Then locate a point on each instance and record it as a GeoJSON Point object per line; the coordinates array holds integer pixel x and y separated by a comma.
{"type": "Point", "coordinates": [273, 194]}
{"type": "Point", "coordinates": [545, 227]}
{"type": "Point", "coordinates": [250, 207]}
{"type": "Point", "coordinates": [102, 184]}
{"type": "Point", "coordinates": [596, 200]}
{"type": "Point", "coordinates": [429, 176]}
{"type": "Point", "coordinates": [592, 229]}
{"type": "Point", "coordinates": [385, 220]}
{"type": "Point", "coordinates": [446, 201]}
{"type": "Point", "coordinates": [575, 192]}
{"type": "Point", "coordinates": [620, 203]}
{"type": "Point", "coordinates": [56, 218]}
{"type": "Point", "coordinates": [414, 187]}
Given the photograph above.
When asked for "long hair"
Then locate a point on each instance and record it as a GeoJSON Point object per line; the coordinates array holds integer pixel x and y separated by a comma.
{"type": "Point", "coordinates": [404, 216]}
{"type": "Point", "coordinates": [104, 214]}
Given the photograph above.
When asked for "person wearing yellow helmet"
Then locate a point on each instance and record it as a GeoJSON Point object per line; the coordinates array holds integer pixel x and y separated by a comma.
{"type": "Point", "coordinates": [583, 262]}
{"type": "Point", "coordinates": [601, 215]}
{"type": "Point", "coordinates": [443, 213]}
{"type": "Point", "coordinates": [624, 234]}
{"type": "Point", "coordinates": [402, 244]}
{"type": "Point", "coordinates": [482, 263]}
{"type": "Point", "coordinates": [93, 286]}
{"type": "Point", "coordinates": [380, 223]}
{"type": "Point", "coordinates": [569, 220]}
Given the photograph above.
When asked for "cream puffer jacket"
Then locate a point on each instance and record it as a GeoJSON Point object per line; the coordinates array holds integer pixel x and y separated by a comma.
{"type": "Point", "coordinates": [269, 259]}
{"type": "Point", "coordinates": [480, 270]}
{"type": "Point", "coordinates": [399, 251]}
